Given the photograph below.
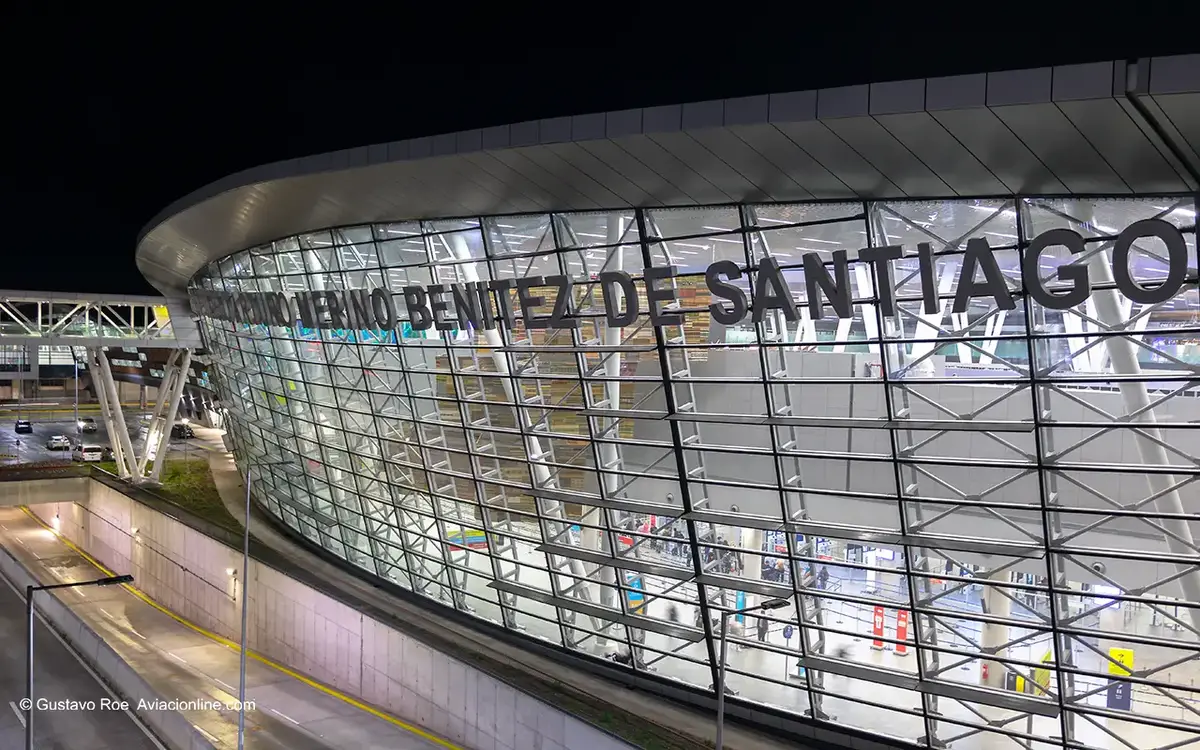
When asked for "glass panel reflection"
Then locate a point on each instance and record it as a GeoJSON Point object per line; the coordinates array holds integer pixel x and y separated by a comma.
{"type": "Point", "coordinates": [975, 503]}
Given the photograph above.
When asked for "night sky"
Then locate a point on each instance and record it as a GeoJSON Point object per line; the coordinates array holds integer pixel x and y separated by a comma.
{"type": "Point", "coordinates": [108, 124]}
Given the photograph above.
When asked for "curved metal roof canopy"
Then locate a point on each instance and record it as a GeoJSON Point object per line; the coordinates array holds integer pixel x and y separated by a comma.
{"type": "Point", "coordinates": [1111, 127]}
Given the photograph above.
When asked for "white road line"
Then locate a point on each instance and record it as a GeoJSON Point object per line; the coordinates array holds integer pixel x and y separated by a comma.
{"type": "Point", "coordinates": [180, 658]}
{"type": "Point", "coordinates": [20, 714]}
{"type": "Point", "coordinates": [232, 690]}
{"type": "Point", "coordinates": [285, 716]}
{"type": "Point", "coordinates": [125, 626]}
{"type": "Point", "coordinates": [207, 736]}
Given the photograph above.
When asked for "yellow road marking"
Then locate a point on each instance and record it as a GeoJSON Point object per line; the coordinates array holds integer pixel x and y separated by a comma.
{"type": "Point", "coordinates": [237, 647]}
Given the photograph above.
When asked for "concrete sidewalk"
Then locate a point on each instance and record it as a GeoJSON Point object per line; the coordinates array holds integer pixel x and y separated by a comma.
{"type": "Point", "coordinates": [184, 664]}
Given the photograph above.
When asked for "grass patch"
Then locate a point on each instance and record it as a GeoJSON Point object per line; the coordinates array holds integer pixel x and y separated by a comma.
{"type": "Point", "coordinates": [189, 484]}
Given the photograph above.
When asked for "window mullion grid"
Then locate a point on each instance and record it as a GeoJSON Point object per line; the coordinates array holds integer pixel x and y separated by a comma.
{"type": "Point", "coordinates": [681, 465]}
{"type": "Point", "coordinates": [403, 376]}
{"type": "Point", "coordinates": [340, 424]}
{"type": "Point", "coordinates": [381, 458]}
{"type": "Point", "coordinates": [458, 379]}
{"type": "Point", "coordinates": [606, 531]}
{"type": "Point", "coordinates": [475, 459]}
{"type": "Point", "coordinates": [1051, 525]}
{"type": "Point", "coordinates": [815, 699]}
{"type": "Point", "coordinates": [929, 702]}
{"type": "Point", "coordinates": [435, 497]}
{"type": "Point", "coordinates": [413, 561]}
{"type": "Point", "coordinates": [406, 378]}
{"type": "Point", "coordinates": [522, 421]}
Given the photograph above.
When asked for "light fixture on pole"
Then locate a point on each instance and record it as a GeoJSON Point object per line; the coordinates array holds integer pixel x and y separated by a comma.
{"type": "Point", "coordinates": [29, 592]}
{"type": "Point", "coordinates": [767, 605]}
{"type": "Point", "coordinates": [245, 610]}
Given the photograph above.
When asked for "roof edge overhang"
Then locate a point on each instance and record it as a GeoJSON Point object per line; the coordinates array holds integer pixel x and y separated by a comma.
{"type": "Point", "coordinates": [1117, 127]}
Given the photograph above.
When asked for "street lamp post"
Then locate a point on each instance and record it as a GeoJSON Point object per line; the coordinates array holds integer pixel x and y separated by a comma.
{"type": "Point", "coordinates": [767, 605]}
{"type": "Point", "coordinates": [186, 422]}
{"type": "Point", "coordinates": [29, 592]}
{"type": "Point", "coordinates": [245, 610]}
{"type": "Point", "coordinates": [76, 359]}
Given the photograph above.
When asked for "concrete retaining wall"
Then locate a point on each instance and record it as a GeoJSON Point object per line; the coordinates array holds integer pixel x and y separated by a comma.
{"type": "Point", "coordinates": [305, 630]}
{"type": "Point", "coordinates": [67, 490]}
{"type": "Point", "coordinates": [170, 726]}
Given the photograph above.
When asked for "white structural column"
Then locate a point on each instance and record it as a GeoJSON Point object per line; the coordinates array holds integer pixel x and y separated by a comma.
{"type": "Point", "coordinates": [863, 287]}
{"type": "Point", "coordinates": [156, 420]}
{"type": "Point", "coordinates": [533, 445]}
{"type": "Point", "coordinates": [751, 542]}
{"type": "Point", "coordinates": [992, 327]}
{"type": "Point", "coordinates": [609, 455]}
{"type": "Point", "coordinates": [1123, 356]}
{"type": "Point", "coordinates": [93, 359]}
{"type": "Point", "coordinates": [994, 636]}
{"type": "Point", "coordinates": [114, 418]}
{"type": "Point", "coordinates": [158, 436]}
{"type": "Point", "coordinates": [928, 324]}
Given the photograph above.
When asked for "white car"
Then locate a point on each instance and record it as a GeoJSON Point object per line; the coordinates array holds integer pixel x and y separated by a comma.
{"type": "Point", "coordinates": [58, 443]}
{"type": "Point", "coordinates": [87, 453]}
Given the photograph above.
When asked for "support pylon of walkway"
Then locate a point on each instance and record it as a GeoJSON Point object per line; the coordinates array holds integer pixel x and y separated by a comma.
{"type": "Point", "coordinates": [114, 418]}
{"type": "Point", "coordinates": [158, 433]}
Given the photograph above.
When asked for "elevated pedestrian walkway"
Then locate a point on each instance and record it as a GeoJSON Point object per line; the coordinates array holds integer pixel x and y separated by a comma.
{"type": "Point", "coordinates": [57, 319]}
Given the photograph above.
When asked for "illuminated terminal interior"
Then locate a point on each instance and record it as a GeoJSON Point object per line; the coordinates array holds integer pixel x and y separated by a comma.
{"type": "Point", "coordinates": [983, 522]}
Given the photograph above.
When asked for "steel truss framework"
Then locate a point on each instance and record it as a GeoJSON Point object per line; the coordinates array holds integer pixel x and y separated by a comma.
{"type": "Point", "coordinates": [132, 464]}
{"type": "Point", "coordinates": [96, 320]}
{"type": "Point", "coordinates": [613, 489]}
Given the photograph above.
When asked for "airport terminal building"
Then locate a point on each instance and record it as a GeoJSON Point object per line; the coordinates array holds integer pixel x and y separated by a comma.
{"type": "Point", "coordinates": [916, 365]}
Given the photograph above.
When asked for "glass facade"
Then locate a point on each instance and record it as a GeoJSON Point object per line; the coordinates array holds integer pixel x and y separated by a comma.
{"type": "Point", "coordinates": [984, 522]}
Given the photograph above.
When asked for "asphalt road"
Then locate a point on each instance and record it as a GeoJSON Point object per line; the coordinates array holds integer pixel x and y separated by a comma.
{"type": "Point", "coordinates": [183, 665]}
{"type": "Point", "coordinates": [57, 675]}
{"type": "Point", "coordinates": [30, 448]}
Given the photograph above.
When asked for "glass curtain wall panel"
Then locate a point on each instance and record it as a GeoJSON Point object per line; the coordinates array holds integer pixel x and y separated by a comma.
{"type": "Point", "coordinates": [971, 475]}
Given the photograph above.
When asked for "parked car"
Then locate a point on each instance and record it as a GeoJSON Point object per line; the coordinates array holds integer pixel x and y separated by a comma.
{"type": "Point", "coordinates": [107, 455]}
{"type": "Point", "coordinates": [182, 431]}
{"type": "Point", "coordinates": [87, 424]}
{"type": "Point", "coordinates": [58, 443]}
{"type": "Point", "coordinates": [24, 427]}
{"type": "Point", "coordinates": [87, 453]}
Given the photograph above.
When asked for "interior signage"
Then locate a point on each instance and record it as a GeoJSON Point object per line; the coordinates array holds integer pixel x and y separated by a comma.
{"type": "Point", "coordinates": [487, 304]}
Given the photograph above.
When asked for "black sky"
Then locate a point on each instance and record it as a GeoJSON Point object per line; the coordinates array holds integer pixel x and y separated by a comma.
{"type": "Point", "coordinates": [106, 129]}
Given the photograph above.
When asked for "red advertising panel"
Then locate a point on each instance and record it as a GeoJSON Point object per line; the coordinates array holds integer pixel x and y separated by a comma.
{"type": "Point", "coordinates": [902, 632]}
{"type": "Point", "coordinates": [877, 629]}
